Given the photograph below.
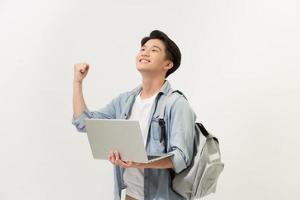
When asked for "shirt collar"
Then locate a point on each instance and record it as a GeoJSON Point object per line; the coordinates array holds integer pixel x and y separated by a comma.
{"type": "Point", "coordinates": [165, 88]}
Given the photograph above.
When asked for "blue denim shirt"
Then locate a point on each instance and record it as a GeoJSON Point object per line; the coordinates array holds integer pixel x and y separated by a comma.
{"type": "Point", "coordinates": [180, 120]}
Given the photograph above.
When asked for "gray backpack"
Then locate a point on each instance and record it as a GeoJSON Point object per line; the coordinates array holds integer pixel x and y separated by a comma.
{"type": "Point", "coordinates": [200, 177]}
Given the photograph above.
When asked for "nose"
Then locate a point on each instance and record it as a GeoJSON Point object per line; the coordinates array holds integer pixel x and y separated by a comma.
{"type": "Point", "coordinates": [145, 53]}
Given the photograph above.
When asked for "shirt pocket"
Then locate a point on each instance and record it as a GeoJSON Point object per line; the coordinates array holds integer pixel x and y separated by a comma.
{"type": "Point", "coordinates": [155, 130]}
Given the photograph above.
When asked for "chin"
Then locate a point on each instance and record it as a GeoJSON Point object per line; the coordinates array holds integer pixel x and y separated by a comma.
{"type": "Point", "coordinates": [143, 70]}
{"type": "Point", "coordinates": [141, 67]}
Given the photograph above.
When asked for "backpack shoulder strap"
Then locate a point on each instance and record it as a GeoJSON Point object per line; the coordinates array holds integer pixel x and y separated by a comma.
{"type": "Point", "coordinates": [163, 134]}
{"type": "Point", "coordinates": [164, 102]}
{"type": "Point", "coordinates": [203, 129]}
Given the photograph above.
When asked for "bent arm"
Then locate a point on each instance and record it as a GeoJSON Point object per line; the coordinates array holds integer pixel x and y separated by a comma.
{"type": "Point", "coordinates": [165, 163]}
{"type": "Point", "coordinates": [81, 111]}
{"type": "Point", "coordinates": [115, 158]}
{"type": "Point", "coordinates": [182, 132]}
{"type": "Point", "coordinates": [78, 100]}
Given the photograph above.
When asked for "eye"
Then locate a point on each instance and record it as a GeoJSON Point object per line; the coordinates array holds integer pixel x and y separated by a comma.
{"type": "Point", "coordinates": [154, 50]}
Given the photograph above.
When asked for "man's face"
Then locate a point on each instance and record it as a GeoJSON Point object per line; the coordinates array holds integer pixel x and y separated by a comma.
{"type": "Point", "coordinates": [152, 58]}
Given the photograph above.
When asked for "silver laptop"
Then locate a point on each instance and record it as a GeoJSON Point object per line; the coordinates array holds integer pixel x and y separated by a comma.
{"type": "Point", "coordinates": [122, 135]}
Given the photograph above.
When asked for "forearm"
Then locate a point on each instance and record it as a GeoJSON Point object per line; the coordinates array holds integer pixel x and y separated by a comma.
{"type": "Point", "coordinates": [159, 164]}
{"type": "Point", "coordinates": [78, 100]}
{"type": "Point", "coordinates": [114, 158]}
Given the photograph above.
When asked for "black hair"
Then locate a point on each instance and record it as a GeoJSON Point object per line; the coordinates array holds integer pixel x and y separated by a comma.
{"type": "Point", "coordinates": [172, 50]}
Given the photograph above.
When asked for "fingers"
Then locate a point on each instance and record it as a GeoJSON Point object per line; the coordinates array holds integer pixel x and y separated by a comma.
{"type": "Point", "coordinates": [80, 71]}
{"type": "Point", "coordinates": [118, 159]}
{"type": "Point", "coordinates": [126, 164]}
{"type": "Point", "coordinates": [111, 157]}
{"type": "Point", "coordinates": [115, 158]}
{"type": "Point", "coordinates": [82, 67]}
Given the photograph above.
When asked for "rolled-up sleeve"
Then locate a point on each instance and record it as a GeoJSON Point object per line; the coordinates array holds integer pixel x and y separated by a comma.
{"type": "Point", "coordinates": [107, 112]}
{"type": "Point", "coordinates": [78, 122]}
{"type": "Point", "coordinates": [181, 134]}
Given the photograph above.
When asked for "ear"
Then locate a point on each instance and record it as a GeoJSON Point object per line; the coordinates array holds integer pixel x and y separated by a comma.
{"type": "Point", "coordinates": [170, 65]}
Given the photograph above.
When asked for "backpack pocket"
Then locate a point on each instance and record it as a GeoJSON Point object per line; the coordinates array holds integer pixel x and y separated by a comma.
{"type": "Point", "coordinates": [208, 181]}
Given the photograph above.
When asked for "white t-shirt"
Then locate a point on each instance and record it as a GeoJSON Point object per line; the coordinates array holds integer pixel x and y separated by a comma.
{"type": "Point", "coordinates": [133, 177]}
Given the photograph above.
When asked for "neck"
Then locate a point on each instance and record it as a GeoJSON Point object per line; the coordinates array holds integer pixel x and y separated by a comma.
{"type": "Point", "coordinates": [150, 86]}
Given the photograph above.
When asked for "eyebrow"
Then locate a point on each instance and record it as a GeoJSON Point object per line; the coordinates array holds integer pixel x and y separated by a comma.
{"type": "Point", "coordinates": [153, 46]}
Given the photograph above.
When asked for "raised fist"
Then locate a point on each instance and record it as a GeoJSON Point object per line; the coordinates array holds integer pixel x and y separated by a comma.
{"type": "Point", "coordinates": [80, 71]}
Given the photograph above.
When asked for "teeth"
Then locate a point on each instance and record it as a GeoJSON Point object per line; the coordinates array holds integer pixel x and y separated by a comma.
{"type": "Point", "coordinates": [144, 61]}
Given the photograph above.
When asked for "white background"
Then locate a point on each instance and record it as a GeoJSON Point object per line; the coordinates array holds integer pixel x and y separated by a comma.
{"type": "Point", "coordinates": [240, 72]}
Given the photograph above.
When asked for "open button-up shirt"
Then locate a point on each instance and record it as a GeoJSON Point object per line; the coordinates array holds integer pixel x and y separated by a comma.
{"type": "Point", "coordinates": [179, 120]}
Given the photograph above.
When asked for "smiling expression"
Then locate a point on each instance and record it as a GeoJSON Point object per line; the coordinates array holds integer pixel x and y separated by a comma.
{"type": "Point", "coordinates": [152, 58]}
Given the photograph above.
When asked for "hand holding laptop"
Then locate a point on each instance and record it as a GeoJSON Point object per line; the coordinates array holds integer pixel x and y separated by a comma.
{"type": "Point", "coordinates": [115, 158]}
{"type": "Point", "coordinates": [164, 163]}
{"type": "Point", "coordinates": [124, 136]}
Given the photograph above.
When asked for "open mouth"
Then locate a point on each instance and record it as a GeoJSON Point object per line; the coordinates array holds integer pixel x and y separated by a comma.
{"type": "Point", "coordinates": [144, 60]}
